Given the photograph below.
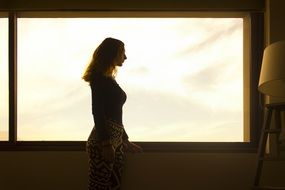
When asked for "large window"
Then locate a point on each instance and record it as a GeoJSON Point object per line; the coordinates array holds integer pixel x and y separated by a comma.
{"type": "Point", "coordinates": [3, 79]}
{"type": "Point", "coordinates": [183, 77]}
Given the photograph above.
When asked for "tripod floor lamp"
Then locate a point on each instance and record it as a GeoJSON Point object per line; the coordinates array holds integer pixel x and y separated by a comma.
{"type": "Point", "coordinates": [271, 83]}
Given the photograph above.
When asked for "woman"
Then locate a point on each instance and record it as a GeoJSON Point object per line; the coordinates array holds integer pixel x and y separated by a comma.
{"type": "Point", "coordinates": [108, 139]}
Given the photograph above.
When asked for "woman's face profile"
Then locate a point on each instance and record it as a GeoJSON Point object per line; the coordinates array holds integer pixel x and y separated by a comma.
{"type": "Point", "coordinates": [121, 57]}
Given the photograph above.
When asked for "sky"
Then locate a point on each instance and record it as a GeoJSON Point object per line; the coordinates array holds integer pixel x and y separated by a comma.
{"type": "Point", "coordinates": [3, 79]}
{"type": "Point", "coordinates": [183, 77]}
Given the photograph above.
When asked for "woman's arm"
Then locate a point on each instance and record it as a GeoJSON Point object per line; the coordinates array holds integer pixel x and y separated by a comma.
{"type": "Point", "coordinates": [99, 111]}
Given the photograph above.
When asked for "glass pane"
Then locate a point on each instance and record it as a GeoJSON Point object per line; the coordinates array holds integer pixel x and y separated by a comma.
{"type": "Point", "coordinates": [4, 79]}
{"type": "Point", "coordinates": [183, 77]}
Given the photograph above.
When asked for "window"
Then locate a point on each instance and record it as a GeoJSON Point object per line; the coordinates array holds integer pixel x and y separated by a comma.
{"type": "Point", "coordinates": [183, 77]}
{"type": "Point", "coordinates": [4, 79]}
{"type": "Point", "coordinates": [52, 106]}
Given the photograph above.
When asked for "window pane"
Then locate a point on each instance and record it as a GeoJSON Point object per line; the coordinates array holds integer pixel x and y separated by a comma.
{"type": "Point", "coordinates": [183, 77]}
{"type": "Point", "coordinates": [4, 79]}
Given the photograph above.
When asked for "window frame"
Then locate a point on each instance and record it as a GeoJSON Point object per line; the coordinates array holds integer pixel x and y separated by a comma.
{"type": "Point", "coordinates": [253, 47]}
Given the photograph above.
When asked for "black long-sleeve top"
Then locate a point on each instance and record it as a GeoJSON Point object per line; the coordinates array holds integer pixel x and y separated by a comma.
{"type": "Point", "coordinates": [107, 103]}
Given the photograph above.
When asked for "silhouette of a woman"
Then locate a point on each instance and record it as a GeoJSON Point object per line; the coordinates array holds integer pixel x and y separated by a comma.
{"type": "Point", "coordinates": [108, 139]}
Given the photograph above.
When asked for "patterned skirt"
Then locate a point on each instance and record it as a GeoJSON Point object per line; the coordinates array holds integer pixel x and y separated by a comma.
{"type": "Point", "coordinates": [104, 175]}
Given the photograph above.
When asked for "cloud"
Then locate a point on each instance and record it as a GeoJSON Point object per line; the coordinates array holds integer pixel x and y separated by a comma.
{"type": "Point", "coordinates": [155, 116]}
{"type": "Point", "coordinates": [141, 70]}
{"type": "Point", "coordinates": [207, 78]}
{"type": "Point", "coordinates": [67, 114]}
{"type": "Point", "coordinates": [211, 34]}
{"type": "Point", "coordinates": [3, 135]}
{"type": "Point", "coordinates": [152, 108]}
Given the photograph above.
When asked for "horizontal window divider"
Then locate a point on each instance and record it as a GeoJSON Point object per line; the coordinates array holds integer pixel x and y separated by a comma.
{"type": "Point", "coordinates": [43, 146]}
{"type": "Point", "coordinates": [199, 147]}
{"type": "Point", "coordinates": [132, 14]}
{"type": "Point", "coordinates": [95, 5]}
{"type": "Point", "coordinates": [159, 147]}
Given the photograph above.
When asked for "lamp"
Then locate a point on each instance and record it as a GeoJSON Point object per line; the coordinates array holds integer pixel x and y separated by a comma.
{"type": "Point", "coordinates": [272, 83]}
{"type": "Point", "coordinates": [272, 75]}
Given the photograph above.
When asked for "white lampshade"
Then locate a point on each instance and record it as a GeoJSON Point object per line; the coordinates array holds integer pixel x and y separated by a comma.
{"type": "Point", "coordinates": [272, 75]}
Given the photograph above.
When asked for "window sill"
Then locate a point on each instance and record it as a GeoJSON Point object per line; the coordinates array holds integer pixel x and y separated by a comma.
{"type": "Point", "coordinates": [183, 147]}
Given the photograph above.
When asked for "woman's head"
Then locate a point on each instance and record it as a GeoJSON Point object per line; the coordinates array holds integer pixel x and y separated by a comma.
{"type": "Point", "coordinates": [109, 54]}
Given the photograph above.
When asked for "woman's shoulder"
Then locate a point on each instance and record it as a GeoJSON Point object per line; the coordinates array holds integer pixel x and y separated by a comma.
{"type": "Point", "coordinates": [99, 78]}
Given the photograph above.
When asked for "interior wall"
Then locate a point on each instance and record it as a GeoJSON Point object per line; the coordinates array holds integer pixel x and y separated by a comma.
{"type": "Point", "coordinates": [58, 170]}
{"type": "Point", "coordinates": [152, 171]}
{"type": "Point", "coordinates": [275, 26]}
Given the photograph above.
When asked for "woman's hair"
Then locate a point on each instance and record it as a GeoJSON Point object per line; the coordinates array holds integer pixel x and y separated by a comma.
{"type": "Point", "coordinates": [103, 59]}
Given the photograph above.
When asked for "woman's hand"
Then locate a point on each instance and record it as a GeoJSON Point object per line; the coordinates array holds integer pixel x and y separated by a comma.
{"type": "Point", "coordinates": [132, 147]}
{"type": "Point", "coordinates": [108, 153]}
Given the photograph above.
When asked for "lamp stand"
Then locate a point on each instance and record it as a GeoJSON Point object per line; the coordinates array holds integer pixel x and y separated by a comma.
{"type": "Point", "coordinates": [277, 108]}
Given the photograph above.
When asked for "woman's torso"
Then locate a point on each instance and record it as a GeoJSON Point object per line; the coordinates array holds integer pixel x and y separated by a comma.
{"type": "Point", "coordinates": [107, 95]}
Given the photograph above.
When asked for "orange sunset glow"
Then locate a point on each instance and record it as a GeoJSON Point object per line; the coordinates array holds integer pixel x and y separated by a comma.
{"type": "Point", "coordinates": [183, 77]}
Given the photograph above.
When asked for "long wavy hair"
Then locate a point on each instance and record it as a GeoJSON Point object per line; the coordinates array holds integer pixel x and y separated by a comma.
{"type": "Point", "coordinates": [103, 59]}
